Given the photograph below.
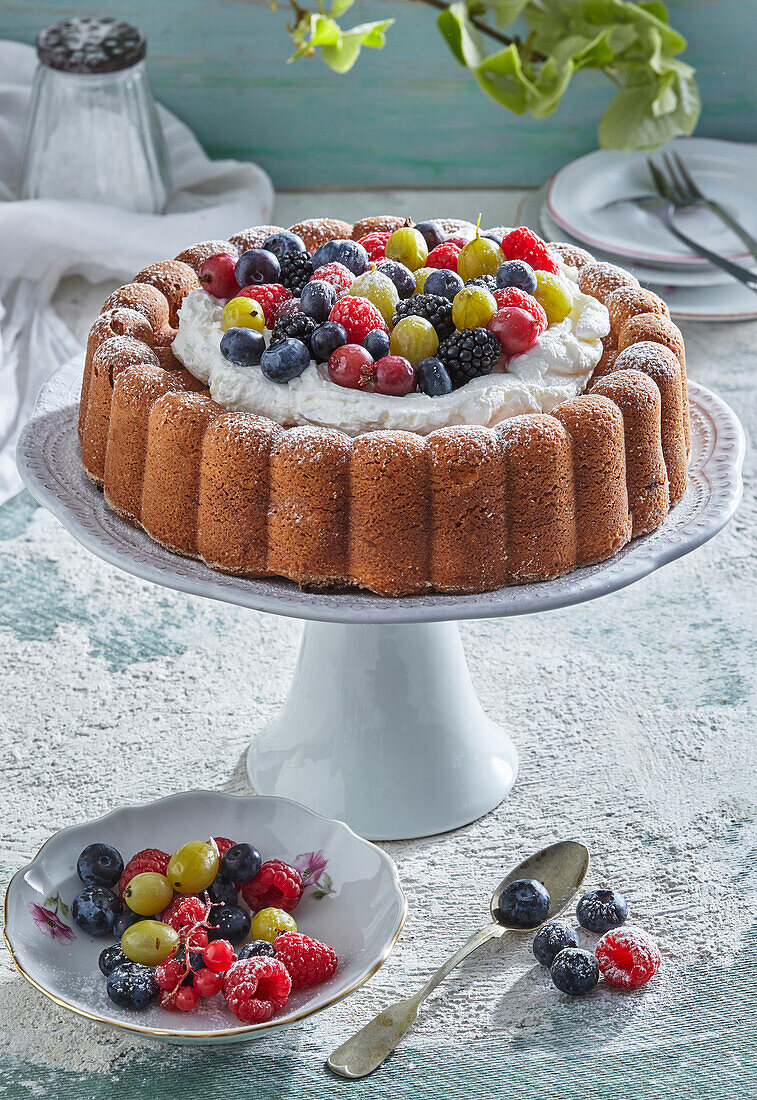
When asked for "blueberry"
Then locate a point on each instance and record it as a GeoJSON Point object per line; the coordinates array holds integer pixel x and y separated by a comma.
{"type": "Point", "coordinates": [95, 910]}
{"type": "Point", "coordinates": [443, 283]}
{"type": "Point", "coordinates": [222, 891]}
{"type": "Point", "coordinates": [433, 234]}
{"type": "Point", "coordinates": [551, 938]}
{"type": "Point", "coordinates": [132, 986]}
{"type": "Point", "coordinates": [229, 922]}
{"type": "Point", "coordinates": [401, 276]}
{"type": "Point", "coordinates": [433, 377]}
{"type": "Point", "coordinates": [317, 299]}
{"type": "Point", "coordinates": [240, 863]}
{"type": "Point", "coordinates": [110, 958]}
{"type": "Point", "coordinates": [523, 903]}
{"type": "Point", "coordinates": [124, 920]}
{"type": "Point", "coordinates": [100, 865]}
{"type": "Point", "coordinates": [196, 962]}
{"type": "Point", "coordinates": [601, 910]}
{"type": "Point", "coordinates": [283, 242]}
{"type": "Point", "coordinates": [496, 237]}
{"type": "Point", "coordinates": [255, 266]}
{"type": "Point", "coordinates": [327, 338]}
{"type": "Point", "coordinates": [257, 947]}
{"type": "Point", "coordinates": [517, 273]}
{"type": "Point", "coordinates": [377, 343]}
{"type": "Point", "coordinates": [242, 346]}
{"type": "Point", "coordinates": [349, 253]}
{"type": "Point", "coordinates": [284, 361]}
{"type": "Point", "coordinates": [575, 971]}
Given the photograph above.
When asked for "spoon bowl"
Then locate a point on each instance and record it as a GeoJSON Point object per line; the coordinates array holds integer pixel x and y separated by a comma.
{"type": "Point", "coordinates": [561, 868]}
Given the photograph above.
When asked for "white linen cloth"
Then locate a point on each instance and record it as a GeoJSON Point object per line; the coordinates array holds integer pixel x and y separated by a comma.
{"type": "Point", "coordinates": [41, 241]}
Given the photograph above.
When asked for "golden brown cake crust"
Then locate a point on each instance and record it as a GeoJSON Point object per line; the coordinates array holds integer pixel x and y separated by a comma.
{"type": "Point", "coordinates": [379, 223]}
{"type": "Point", "coordinates": [465, 509]}
{"type": "Point", "coordinates": [316, 231]}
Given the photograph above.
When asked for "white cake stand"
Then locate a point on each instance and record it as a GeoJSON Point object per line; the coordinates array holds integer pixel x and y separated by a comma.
{"type": "Point", "coordinates": [381, 727]}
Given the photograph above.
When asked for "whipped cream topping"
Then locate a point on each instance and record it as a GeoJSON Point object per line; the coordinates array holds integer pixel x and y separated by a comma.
{"type": "Point", "coordinates": [557, 368]}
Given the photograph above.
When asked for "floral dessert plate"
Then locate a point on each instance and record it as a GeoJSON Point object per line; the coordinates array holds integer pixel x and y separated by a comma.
{"type": "Point", "coordinates": [353, 901]}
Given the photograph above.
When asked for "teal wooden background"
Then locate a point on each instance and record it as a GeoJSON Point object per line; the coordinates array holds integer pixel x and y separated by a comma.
{"type": "Point", "coordinates": [405, 116]}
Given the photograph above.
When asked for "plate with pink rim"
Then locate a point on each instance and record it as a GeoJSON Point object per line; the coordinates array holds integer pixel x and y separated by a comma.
{"type": "Point", "coordinates": [352, 900]}
{"type": "Point", "coordinates": [579, 200]}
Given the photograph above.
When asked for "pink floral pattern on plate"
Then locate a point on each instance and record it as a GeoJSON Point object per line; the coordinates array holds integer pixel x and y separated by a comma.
{"type": "Point", "coordinates": [47, 920]}
{"type": "Point", "coordinates": [312, 866]}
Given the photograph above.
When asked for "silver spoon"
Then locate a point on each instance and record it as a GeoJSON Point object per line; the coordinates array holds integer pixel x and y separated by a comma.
{"type": "Point", "coordinates": [560, 867]}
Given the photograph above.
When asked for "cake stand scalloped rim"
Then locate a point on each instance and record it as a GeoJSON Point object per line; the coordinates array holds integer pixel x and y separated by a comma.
{"type": "Point", "coordinates": [49, 462]}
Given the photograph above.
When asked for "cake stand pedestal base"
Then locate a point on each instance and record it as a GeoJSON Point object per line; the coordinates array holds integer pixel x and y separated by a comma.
{"type": "Point", "coordinates": [382, 729]}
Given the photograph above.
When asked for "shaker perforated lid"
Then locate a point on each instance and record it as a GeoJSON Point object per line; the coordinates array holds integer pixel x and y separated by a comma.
{"type": "Point", "coordinates": [90, 45]}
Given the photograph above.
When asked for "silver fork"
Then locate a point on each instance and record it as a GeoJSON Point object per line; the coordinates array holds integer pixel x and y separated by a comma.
{"type": "Point", "coordinates": [663, 209]}
{"type": "Point", "coordinates": [680, 187]}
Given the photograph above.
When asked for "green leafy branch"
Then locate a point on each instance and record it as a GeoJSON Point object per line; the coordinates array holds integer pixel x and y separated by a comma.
{"type": "Point", "coordinates": [630, 41]}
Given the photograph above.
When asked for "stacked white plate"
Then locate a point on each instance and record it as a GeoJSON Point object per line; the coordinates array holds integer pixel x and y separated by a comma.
{"type": "Point", "coordinates": [579, 205]}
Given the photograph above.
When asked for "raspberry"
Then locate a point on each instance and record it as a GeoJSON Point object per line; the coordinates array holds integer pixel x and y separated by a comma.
{"type": "Point", "coordinates": [149, 859]}
{"type": "Point", "coordinates": [514, 296]}
{"type": "Point", "coordinates": [308, 961]}
{"type": "Point", "coordinates": [627, 957]}
{"type": "Point", "coordinates": [444, 255]}
{"type": "Point", "coordinates": [523, 244]}
{"type": "Point", "coordinates": [269, 297]}
{"type": "Point", "coordinates": [336, 275]}
{"type": "Point", "coordinates": [182, 915]}
{"type": "Point", "coordinates": [358, 317]}
{"type": "Point", "coordinates": [276, 885]}
{"type": "Point", "coordinates": [256, 988]}
{"type": "Point", "coordinates": [375, 245]}
{"type": "Point", "coordinates": [223, 844]}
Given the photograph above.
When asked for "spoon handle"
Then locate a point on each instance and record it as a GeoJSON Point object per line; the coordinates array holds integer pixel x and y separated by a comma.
{"type": "Point", "coordinates": [367, 1048]}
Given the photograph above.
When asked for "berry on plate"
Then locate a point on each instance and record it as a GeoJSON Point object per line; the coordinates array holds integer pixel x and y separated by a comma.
{"type": "Point", "coordinates": [628, 957]}
{"type": "Point", "coordinates": [170, 974]}
{"type": "Point", "coordinates": [219, 955]}
{"type": "Point", "coordinates": [601, 910]}
{"type": "Point", "coordinates": [269, 297]}
{"type": "Point", "coordinates": [217, 276]}
{"type": "Point", "coordinates": [352, 366]}
{"type": "Point", "coordinates": [184, 913]}
{"type": "Point", "coordinates": [433, 377]}
{"type": "Point", "coordinates": [240, 863]}
{"type": "Point", "coordinates": [444, 255]}
{"type": "Point", "coordinates": [132, 986]}
{"type": "Point", "coordinates": [207, 982]}
{"type": "Point", "coordinates": [149, 859]}
{"type": "Point", "coordinates": [243, 312]}
{"type": "Point", "coordinates": [149, 942]}
{"type": "Point", "coordinates": [516, 330]}
{"type": "Point", "coordinates": [242, 346]}
{"type": "Point", "coordinates": [256, 988]}
{"type": "Point", "coordinates": [186, 999]}
{"type": "Point", "coordinates": [192, 867]}
{"type": "Point", "coordinates": [523, 244]}
{"type": "Point", "coordinates": [223, 844]}
{"type": "Point", "coordinates": [308, 961]}
{"type": "Point", "coordinates": [95, 910]}
{"type": "Point", "coordinates": [221, 891]}
{"type": "Point", "coordinates": [326, 339]}
{"type": "Point", "coordinates": [100, 865]}
{"type": "Point", "coordinates": [350, 254]}
{"type": "Point", "coordinates": [228, 922]}
{"type": "Point", "coordinates": [285, 360]}
{"type": "Point", "coordinates": [148, 893]}
{"type": "Point", "coordinates": [337, 275]}
{"type": "Point", "coordinates": [414, 338]}
{"type": "Point", "coordinates": [257, 947]}
{"type": "Point", "coordinates": [257, 266]}
{"type": "Point", "coordinates": [513, 296]}
{"type": "Point", "coordinates": [375, 245]}
{"type": "Point", "coordinates": [110, 958]}
{"type": "Point", "coordinates": [276, 885]}
{"type": "Point", "coordinates": [358, 316]}
{"type": "Point", "coordinates": [270, 923]}
{"type": "Point", "coordinates": [574, 971]}
{"type": "Point", "coordinates": [395, 377]}
{"type": "Point", "coordinates": [551, 938]}
{"type": "Point", "coordinates": [408, 247]}
{"type": "Point", "coordinates": [524, 903]}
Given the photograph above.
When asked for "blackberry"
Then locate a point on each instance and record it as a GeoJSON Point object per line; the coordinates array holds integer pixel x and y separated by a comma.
{"type": "Point", "coordinates": [488, 282]}
{"type": "Point", "coordinates": [469, 354]}
{"type": "Point", "coordinates": [298, 326]}
{"type": "Point", "coordinates": [296, 270]}
{"type": "Point", "coordinates": [432, 307]}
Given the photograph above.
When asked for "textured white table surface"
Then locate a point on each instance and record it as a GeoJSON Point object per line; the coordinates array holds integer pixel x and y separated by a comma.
{"type": "Point", "coordinates": [634, 717]}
